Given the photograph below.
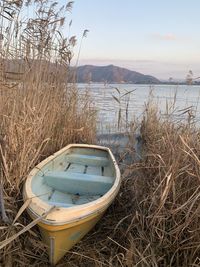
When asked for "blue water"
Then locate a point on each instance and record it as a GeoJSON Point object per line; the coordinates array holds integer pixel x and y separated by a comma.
{"type": "Point", "coordinates": [172, 99]}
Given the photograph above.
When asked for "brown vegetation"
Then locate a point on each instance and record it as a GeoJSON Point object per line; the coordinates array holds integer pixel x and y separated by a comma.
{"type": "Point", "coordinates": [39, 111]}
{"type": "Point", "coordinates": [155, 219]}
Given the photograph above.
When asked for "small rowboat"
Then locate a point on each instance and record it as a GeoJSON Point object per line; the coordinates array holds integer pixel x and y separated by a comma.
{"type": "Point", "coordinates": [80, 182]}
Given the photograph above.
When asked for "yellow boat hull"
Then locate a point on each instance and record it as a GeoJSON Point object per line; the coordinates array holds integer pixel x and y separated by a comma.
{"type": "Point", "coordinates": [69, 192]}
{"type": "Point", "coordinates": [60, 239]}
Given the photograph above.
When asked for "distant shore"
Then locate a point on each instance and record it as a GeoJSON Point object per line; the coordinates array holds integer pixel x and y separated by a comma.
{"type": "Point", "coordinates": [161, 83]}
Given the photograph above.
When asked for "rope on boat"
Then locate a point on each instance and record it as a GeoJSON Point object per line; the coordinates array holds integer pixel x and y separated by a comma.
{"type": "Point", "coordinates": [25, 229]}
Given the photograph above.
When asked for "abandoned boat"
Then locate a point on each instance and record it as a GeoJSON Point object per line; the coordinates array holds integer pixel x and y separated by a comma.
{"type": "Point", "coordinates": [77, 183]}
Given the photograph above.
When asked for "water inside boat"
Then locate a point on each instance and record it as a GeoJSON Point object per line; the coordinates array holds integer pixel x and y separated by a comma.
{"type": "Point", "coordinates": [78, 176]}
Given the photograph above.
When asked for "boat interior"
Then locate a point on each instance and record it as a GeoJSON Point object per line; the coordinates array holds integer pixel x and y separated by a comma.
{"type": "Point", "coordinates": [78, 176]}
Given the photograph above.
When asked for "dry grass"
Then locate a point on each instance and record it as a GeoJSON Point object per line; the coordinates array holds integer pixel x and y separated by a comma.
{"type": "Point", "coordinates": [40, 112]}
{"type": "Point", "coordinates": [155, 219]}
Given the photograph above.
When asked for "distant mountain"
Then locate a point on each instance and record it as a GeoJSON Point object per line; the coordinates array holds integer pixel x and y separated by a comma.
{"type": "Point", "coordinates": [112, 74]}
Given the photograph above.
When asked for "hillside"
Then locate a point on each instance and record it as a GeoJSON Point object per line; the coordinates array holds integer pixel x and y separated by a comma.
{"type": "Point", "coordinates": [112, 74]}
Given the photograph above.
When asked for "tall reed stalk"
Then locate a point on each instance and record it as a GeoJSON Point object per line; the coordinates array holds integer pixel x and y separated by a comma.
{"type": "Point", "coordinates": [39, 110]}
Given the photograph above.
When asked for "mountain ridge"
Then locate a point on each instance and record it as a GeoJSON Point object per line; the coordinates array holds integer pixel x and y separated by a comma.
{"type": "Point", "coordinates": [112, 74]}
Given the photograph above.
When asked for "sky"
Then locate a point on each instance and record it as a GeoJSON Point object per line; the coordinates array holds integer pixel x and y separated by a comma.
{"type": "Point", "coordinates": [155, 37]}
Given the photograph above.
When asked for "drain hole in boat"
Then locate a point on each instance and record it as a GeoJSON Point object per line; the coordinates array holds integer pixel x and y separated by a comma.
{"type": "Point", "coordinates": [85, 170]}
{"type": "Point", "coordinates": [67, 167]}
{"type": "Point", "coordinates": [102, 171]}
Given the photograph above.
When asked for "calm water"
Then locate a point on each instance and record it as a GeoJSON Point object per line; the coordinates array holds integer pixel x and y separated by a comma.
{"type": "Point", "coordinates": [104, 100]}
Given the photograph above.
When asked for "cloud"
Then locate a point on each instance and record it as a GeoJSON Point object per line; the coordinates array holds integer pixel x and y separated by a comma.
{"type": "Point", "coordinates": [165, 37]}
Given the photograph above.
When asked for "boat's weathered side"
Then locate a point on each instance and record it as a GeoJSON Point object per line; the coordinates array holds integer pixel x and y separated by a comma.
{"type": "Point", "coordinates": [64, 227]}
{"type": "Point", "coordinates": [60, 241]}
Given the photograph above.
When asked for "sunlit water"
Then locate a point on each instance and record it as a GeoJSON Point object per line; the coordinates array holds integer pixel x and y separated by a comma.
{"type": "Point", "coordinates": [108, 101]}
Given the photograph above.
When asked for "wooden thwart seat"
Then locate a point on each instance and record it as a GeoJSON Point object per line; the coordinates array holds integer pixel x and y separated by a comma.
{"type": "Point", "coordinates": [77, 183]}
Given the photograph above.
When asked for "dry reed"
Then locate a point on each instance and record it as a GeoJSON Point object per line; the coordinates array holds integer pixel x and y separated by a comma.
{"type": "Point", "coordinates": [155, 219]}
{"type": "Point", "coordinates": [39, 112]}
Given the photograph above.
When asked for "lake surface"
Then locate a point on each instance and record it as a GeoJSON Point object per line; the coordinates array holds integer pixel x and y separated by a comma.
{"type": "Point", "coordinates": [128, 101]}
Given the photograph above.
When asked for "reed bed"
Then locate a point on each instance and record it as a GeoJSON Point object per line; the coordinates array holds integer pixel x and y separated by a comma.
{"type": "Point", "coordinates": [155, 218]}
{"type": "Point", "coordinates": [39, 112]}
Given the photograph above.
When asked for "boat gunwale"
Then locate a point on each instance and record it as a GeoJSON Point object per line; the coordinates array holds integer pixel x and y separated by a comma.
{"type": "Point", "coordinates": [83, 210]}
{"type": "Point", "coordinates": [68, 224]}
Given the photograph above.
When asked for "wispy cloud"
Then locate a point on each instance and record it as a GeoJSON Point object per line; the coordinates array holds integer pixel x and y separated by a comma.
{"type": "Point", "coordinates": [165, 37]}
